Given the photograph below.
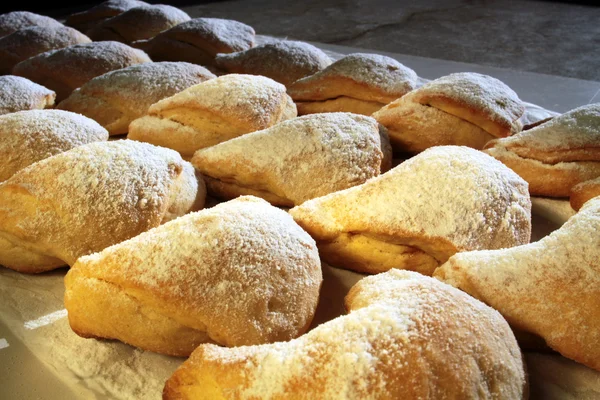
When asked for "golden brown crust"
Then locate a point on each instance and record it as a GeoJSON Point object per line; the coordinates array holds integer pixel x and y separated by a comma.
{"type": "Point", "coordinates": [583, 192]}
{"type": "Point", "coordinates": [340, 104]}
{"type": "Point", "coordinates": [85, 20]}
{"type": "Point", "coordinates": [20, 94]}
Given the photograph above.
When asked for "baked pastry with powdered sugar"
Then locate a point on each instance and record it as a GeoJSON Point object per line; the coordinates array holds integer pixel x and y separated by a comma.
{"type": "Point", "coordinates": [15, 20]}
{"type": "Point", "coordinates": [296, 160]}
{"type": "Point", "coordinates": [584, 191]}
{"type": "Point", "coordinates": [240, 273]}
{"type": "Point", "coordinates": [358, 83]}
{"type": "Point", "coordinates": [138, 23]}
{"type": "Point", "coordinates": [445, 200]}
{"type": "Point", "coordinates": [199, 40]}
{"type": "Point", "coordinates": [213, 112]}
{"type": "Point", "coordinates": [91, 197]}
{"type": "Point", "coordinates": [466, 109]}
{"type": "Point", "coordinates": [20, 94]}
{"type": "Point", "coordinates": [557, 155]}
{"type": "Point", "coordinates": [284, 61]}
{"type": "Point", "coordinates": [407, 336]}
{"type": "Point", "coordinates": [118, 97]}
{"type": "Point", "coordinates": [85, 20]}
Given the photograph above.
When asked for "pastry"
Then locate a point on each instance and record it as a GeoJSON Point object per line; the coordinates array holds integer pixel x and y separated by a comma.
{"type": "Point", "coordinates": [138, 23]}
{"type": "Point", "coordinates": [284, 61]}
{"type": "Point", "coordinates": [445, 200]}
{"type": "Point", "coordinates": [64, 70]}
{"type": "Point", "coordinates": [91, 197]}
{"type": "Point", "coordinates": [213, 112]}
{"type": "Point", "coordinates": [358, 83]}
{"type": "Point", "coordinates": [466, 109]}
{"type": "Point", "coordinates": [20, 94]}
{"type": "Point", "coordinates": [239, 273]}
{"type": "Point", "coordinates": [406, 337]}
{"type": "Point", "coordinates": [584, 191]}
{"type": "Point", "coordinates": [85, 20]}
{"type": "Point", "coordinates": [295, 160]}
{"type": "Point", "coordinates": [550, 288]}
{"type": "Point", "coordinates": [199, 40]}
{"type": "Point", "coordinates": [29, 136]}
{"type": "Point", "coordinates": [118, 97]}
{"type": "Point", "coordinates": [557, 155]}
{"type": "Point", "coordinates": [15, 20]}
{"type": "Point", "coordinates": [28, 42]}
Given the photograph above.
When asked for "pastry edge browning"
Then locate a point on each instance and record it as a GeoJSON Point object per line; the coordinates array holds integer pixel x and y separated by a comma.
{"type": "Point", "coordinates": [342, 103]}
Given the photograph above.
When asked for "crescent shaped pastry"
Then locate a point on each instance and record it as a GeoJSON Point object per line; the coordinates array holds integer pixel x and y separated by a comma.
{"type": "Point", "coordinates": [359, 83]}
{"type": "Point", "coordinates": [118, 97]}
{"type": "Point", "coordinates": [550, 288]}
{"type": "Point", "coordinates": [584, 191]}
{"type": "Point", "coordinates": [20, 94]}
{"type": "Point", "coordinates": [85, 20]}
{"type": "Point", "coordinates": [557, 155]}
{"type": "Point", "coordinates": [30, 136]}
{"type": "Point", "coordinates": [91, 197]}
{"type": "Point", "coordinates": [466, 109]}
{"type": "Point", "coordinates": [15, 20]}
{"type": "Point", "coordinates": [239, 273]}
{"type": "Point", "coordinates": [295, 160]}
{"type": "Point", "coordinates": [199, 40]}
{"type": "Point", "coordinates": [284, 61]}
{"type": "Point", "coordinates": [28, 42]}
{"type": "Point", "coordinates": [445, 200]}
{"type": "Point", "coordinates": [138, 23]}
{"type": "Point", "coordinates": [213, 112]}
{"type": "Point", "coordinates": [407, 336]}
{"type": "Point", "coordinates": [64, 70]}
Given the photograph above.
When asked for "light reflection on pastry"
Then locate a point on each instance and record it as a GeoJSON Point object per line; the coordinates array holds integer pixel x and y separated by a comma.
{"type": "Point", "coordinates": [550, 288]}
{"type": "Point", "coordinates": [445, 200]}
{"type": "Point", "coordinates": [295, 160]}
{"type": "Point", "coordinates": [407, 336]}
{"type": "Point", "coordinates": [20, 94]}
{"type": "Point", "coordinates": [240, 273]}
{"type": "Point", "coordinates": [557, 155]}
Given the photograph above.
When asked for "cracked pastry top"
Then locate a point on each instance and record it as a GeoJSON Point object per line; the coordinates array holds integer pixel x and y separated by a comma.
{"type": "Point", "coordinates": [467, 109]}
{"type": "Point", "coordinates": [20, 94]}
{"type": "Point", "coordinates": [445, 200]}
{"type": "Point", "coordinates": [214, 111]}
{"type": "Point", "coordinates": [557, 155]}
{"type": "Point", "coordinates": [240, 273]}
{"type": "Point", "coordinates": [15, 20]}
{"type": "Point", "coordinates": [199, 40]}
{"type": "Point", "coordinates": [85, 20]}
{"type": "Point", "coordinates": [359, 83]}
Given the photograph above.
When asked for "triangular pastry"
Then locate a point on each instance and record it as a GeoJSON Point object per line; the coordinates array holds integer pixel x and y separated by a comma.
{"type": "Point", "coordinates": [85, 20]}
{"type": "Point", "coordinates": [407, 336]}
{"type": "Point", "coordinates": [295, 160]}
{"type": "Point", "coordinates": [445, 200]}
{"type": "Point", "coordinates": [240, 273]}
{"type": "Point", "coordinates": [550, 288]}
{"type": "Point", "coordinates": [88, 198]}
{"type": "Point", "coordinates": [15, 20]}
{"type": "Point", "coordinates": [358, 83]}
{"type": "Point", "coordinates": [213, 112]}
{"type": "Point", "coordinates": [30, 136]}
{"type": "Point", "coordinates": [20, 94]}
{"type": "Point", "coordinates": [557, 155]}
{"type": "Point", "coordinates": [466, 109]}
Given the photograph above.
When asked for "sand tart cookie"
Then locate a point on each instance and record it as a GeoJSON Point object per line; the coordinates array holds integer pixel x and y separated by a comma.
{"type": "Point", "coordinates": [415, 216]}
{"type": "Point", "coordinates": [406, 337]}
{"type": "Point", "coordinates": [466, 109]}
{"type": "Point", "coordinates": [15, 20]}
{"type": "Point", "coordinates": [91, 197]}
{"type": "Point", "coordinates": [28, 42]}
{"type": "Point", "coordinates": [199, 41]}
{"type": "Point", "coordinates": [138, 23]}
{"type": "Point", "coordinates": [295, 160]}
{"type": "Point", "coordinates": [118, 97]}
{"type": "Point", "coordinates": [284, 61]}
{"type": "Point", "coordinates": [213, 112]}
{"type": "Point", "coordinates": [358, 83]}
{"type": "Point", "coordinates": [64, 70]}
{"type": "Point", "coordinates": [240, 273]}
{"type": "Point", "coordinates": [557, 155]}
{"type": "Point", "coordinates": [85, 20]}
{"type": "Point", "coordinates": [20, 94]}
{"type": "Point", "coordinates": [550, 288]}
{"type": "Point", "coordinates": [29, 136]}
{"type": "Point", "coordinates": [584, 191]}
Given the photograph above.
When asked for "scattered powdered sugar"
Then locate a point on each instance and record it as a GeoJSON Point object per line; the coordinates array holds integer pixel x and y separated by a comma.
{"type": "Point", "coordinates": [15, 20]}
{"type": "Point", "coordinates": [22, 94]}
{"type": "Point", "coordinates": [284, 61]}
{"type": "Point", "coordinates": [301, 158]}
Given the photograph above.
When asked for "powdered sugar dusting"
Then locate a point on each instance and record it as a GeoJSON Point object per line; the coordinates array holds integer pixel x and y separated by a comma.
{"type": "Point", "coordinates": [15, 20]}
{"type": "Point", "coordinates": [106, 9]}
{"type": "Point", "coordinates": [22, 94]}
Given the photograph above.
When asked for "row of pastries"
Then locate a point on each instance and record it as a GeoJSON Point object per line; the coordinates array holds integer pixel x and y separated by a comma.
{"type": "Point", "coordinates": [281, 126]}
